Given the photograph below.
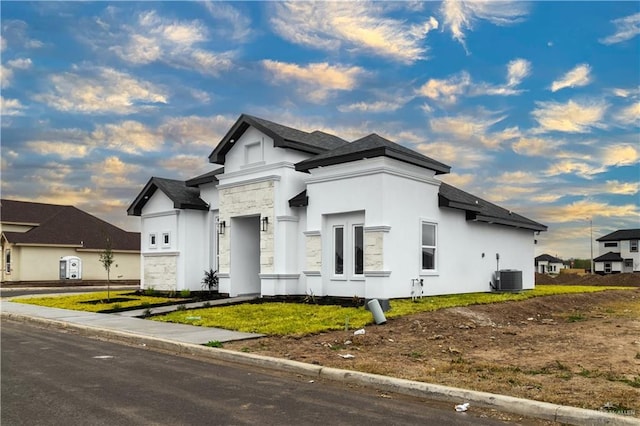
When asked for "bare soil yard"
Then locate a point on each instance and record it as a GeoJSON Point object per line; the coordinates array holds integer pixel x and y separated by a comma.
{"type": "Point", "coordinates": [581, 350]}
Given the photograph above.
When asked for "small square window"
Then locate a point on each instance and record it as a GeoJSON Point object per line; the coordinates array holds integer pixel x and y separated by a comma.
{"type": "Point", "coordinates": [153, 241]}
{"type": "Point", "coordinates": [166, 239]}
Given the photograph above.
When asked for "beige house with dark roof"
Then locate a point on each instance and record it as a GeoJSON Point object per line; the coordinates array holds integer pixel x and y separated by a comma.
{"type": "Point", "coordinates": [36, 236]}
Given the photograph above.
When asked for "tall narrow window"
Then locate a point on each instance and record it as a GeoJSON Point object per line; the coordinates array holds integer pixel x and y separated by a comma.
{"type": "Point", "coordinates": [152, 241]}
{"type": "Point", "coordinates": [338, 249]}
{"type": "Point", "coordinates": [633, 245]}
{"type": "Point", "coordinates": [166, 239]}
{"type": "Point", "coordinates": [7, 261]}
{"type": "Point", "coordinates": [358, 250]}
{"type": "Point", "coordinates": [607, 267]}
{"type": "Point", "coordinates": [428, 246]}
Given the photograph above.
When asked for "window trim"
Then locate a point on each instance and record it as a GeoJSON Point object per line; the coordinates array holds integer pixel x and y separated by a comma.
{"type": "Point", "coordinates": [608, 267]}
{"type": "Point", "coordinates": [434, 271]}
{"type": "Point", "coordinates": [7, 261]}
{"type": "Point", "coordinates": [248, 148]}
{"type": "Point", "coordinates": [633, 243]}
{"type": "Point", "coordinates": [334, 265]}
{"type": "Point", "coordinates": [354, 251]}
{"type": "Point", "coordinates": [153, 240]}
{"type": "Point", "coordinates": [166, 239]}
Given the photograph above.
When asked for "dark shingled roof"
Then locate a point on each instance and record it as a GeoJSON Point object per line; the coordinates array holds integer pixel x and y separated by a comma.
{"type": "Point", "coordinates": [205, 178]}
{"type": "Point", "coordinates": [609, 257]}
{"type": "Point", "coordinates": [63, 225]}
{"type": "Point", "coordinates": [183, 196]}
{"type": "Point", "coordinates": [283, 137]}
{"type": "Point", "coordinates": [622, 234]}
{"type": "Point", "coordinates": [480, 210]}
{"type": "Point", "coordinates": [300, 200]}
{"type": "Point", "coordinates": [371, 146]}
{"type": "Point", "coordinates": [547, 258]}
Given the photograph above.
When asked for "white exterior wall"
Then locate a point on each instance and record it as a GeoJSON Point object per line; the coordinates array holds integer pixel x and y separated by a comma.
{"type": "Point", "coordinates": [395, 198]}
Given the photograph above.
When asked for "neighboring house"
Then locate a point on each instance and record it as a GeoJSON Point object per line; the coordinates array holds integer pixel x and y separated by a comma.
{"type": "Point", "coordinates": [618, 252]}
{"type": "Point", "coordinates": [36, 236]}
{"type": "Point", "coordinates": [547, 264]}
{"type": "Point", "coordinates": [293, 212]}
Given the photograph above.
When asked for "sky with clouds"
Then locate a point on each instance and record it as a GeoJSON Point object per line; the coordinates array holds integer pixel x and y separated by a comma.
{"type": "Point", "coordinates": [535, 105]}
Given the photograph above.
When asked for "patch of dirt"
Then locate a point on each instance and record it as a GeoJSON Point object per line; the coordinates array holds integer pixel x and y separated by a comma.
{"type": "Point", "coordinates": [581, 350]}
{"type": "Point", "coordinates": [624, 280]}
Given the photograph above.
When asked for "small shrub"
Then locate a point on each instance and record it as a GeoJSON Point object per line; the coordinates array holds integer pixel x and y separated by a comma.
{"type": "Point", "coordinates": [181, 308]}
{"type": "Point", "coordinates": [210, 281]}
{"type": "Point", "coordinates": [149, 291]}
{"type": "Point", "coordinates": [185, 294]}
{"type": "Point", "coordinates": [116, 306]}
{"type": "Point", "coordinates": [206, 305]}
{"type": "Point", "coordinates": [147, 313]}
{"type": "Point", "coordinates": [576, 317]}
{"type": "Point", "coordinates": [214, 344]}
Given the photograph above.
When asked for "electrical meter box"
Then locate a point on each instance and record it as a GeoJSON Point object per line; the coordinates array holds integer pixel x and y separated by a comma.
{"type": "Point", "coordinates": [70, 268]}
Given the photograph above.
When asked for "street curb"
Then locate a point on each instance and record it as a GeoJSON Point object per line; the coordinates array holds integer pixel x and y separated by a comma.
{"type": "Point", "coordinates": [525, 407]}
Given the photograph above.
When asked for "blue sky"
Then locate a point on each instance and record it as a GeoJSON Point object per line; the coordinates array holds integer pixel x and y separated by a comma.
{"type": "Point", "coordinates": [535, 105]}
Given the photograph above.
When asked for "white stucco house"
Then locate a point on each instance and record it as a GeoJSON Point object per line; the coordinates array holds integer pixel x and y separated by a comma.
{"type": "Point", "coordinates": [619, 252]}
{"type": "Point", "coordinates": [289, 212]}
{"type": "Point", "coordinates": [547, 264]}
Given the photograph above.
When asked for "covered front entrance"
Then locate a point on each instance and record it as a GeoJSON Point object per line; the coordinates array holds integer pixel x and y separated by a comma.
{"type": "Point", "coordinates": [245, 256]}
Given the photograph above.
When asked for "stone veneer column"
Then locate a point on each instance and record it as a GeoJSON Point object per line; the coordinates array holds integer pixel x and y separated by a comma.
{"type": "Point", "coordinates": [374, 248]}
{"type": "Point", "coordinates": [245, 200]}
{"type": "Point", "coordinates": [313, 246]}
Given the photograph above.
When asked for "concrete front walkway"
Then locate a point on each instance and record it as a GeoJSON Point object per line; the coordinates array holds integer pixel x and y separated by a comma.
{"type": "Point", "coordinates": [126, 321]}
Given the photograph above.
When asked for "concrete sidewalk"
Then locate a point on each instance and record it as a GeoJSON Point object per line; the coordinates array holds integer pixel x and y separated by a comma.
{"type": "Point", "coordinates": [187, 339]}
{"type": "Point", "coordinates": [127, 322]}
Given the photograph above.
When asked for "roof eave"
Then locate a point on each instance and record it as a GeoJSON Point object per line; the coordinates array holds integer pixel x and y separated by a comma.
{"type": "Point", "coordinates": [513, 223]}
{"type": "Point", "coordinates": [135, 209]}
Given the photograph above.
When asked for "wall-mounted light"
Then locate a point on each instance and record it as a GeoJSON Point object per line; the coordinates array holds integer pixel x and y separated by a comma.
{"type": "Point", "coordinates": [221, 226]}
{"type": "Point", "coordinates": [265, 223]}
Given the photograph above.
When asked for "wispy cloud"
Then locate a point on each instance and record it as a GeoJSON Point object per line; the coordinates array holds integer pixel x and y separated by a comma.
{"type": "Point", "coordinates": [58, 148]}
{"type": "Point", "coordinates": [580, 210]}
{"type": "Point", "coordinates": [464, 157]}
{"type": "Point", "coordinates": [461, 16]}
{"type": "Point", "coordinates": [375, 106]}
{"type": "Point", "coordinates": [469, 129]}
{"type": "Point", "coordinates": [316, 80]}
{"type": "Point", "coordinates": [128, 136]}
{"type": "Point", "coordinates": [629, 114]}
{"type": "Point", "coordinates": [623, 154]}
{"type": "Point", "coordinates": [100, 90]}
{"type": "Point", "coordinates": [10, 106]}
{"type": "Point", "coordinates": [449, 90]}
{"type": "Point", "coordinates": [356, 26]}
{"type": "Point", "coordinates": [15, 34]}
{"type": "Point", "coordinates": [626, 29]}
{"type": "Point", "coordinates": [234, 24]}
{"type": "Point", "coordinates": [571, 117]}
{"type": "Point", "coordinates": [153, 38]}
{"type": "Point", "coordinates": [536, 146]}
{"type": "Point", "coordinates": [577, 77]}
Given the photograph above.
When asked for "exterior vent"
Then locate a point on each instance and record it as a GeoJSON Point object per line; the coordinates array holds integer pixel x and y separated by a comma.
{"type": "Point", "coordinates": [509, 280]}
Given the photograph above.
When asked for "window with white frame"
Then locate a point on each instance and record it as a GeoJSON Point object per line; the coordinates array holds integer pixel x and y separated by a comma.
{"type": "Point", "coordinates": [607, 267]}
{"type": "Point", "coordinates": [633, 245]}
{"type": "Point", "coordinates": [338, 250]}
{"type": "Point", "coordinates": [429, 234]}
{"type": "Point", "coordinates": [628, 263]}
{"type": "Point", "coordinates": [7, 261]}
{"type": "Point", "coordinates": [153, 240]}
{"type": "Point", "coordinates": [166, 239]}
{"type": "Point", "coordinates": [358, 250]}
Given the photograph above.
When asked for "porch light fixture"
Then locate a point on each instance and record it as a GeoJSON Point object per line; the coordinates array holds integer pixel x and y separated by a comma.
{"type": "Point", "coordinates": [221, 226]}
{"type": "Point", "coordinates": [265, 223]}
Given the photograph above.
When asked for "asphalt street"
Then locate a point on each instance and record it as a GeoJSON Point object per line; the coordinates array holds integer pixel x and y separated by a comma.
{"type": "Point", "coordinates": [50, 377]}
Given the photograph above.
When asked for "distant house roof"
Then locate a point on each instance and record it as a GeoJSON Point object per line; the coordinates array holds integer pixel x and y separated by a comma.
{"type": "Point", "coordinates": [183, 196]}
{"type": "Point", "coordinates": [371, 146]}
{"type": "Point", "coordinates": [480, 210]}
{"type": "Point", "coordinates": [283, 137]}
{"type": "Point", "coordinates": [547, 258]}
{"type": "Point", "coordinates": [609, 257]}
{"type": "Point", "coordinates": [622, 234]}
{"type": "Point", "coordinates": [57, 225]}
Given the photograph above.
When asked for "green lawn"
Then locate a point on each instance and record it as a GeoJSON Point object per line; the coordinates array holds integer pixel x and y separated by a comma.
{"type": "Point", "coordinates": [301, 319]}
{"type": "Point", "coordinates": [295, 319]}
{"type": "Point", "coordinates": [96, 302]}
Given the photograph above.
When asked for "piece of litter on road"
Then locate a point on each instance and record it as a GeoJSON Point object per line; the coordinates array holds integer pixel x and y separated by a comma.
{"type": "Point", "coordinates": [347, 356]}
{"type": "Point", "coordinates": [462, 407]}
{"type": "Point", "coordinates": [359, 332]}
{"type": "Point", "coordinates": [193, 318]}
{"type": "Point", "coordinates": [103, 357]}
{"type": "Point", "coordinates": [530, 319]}
{"type": "Point", "coordinates": [311, 381]}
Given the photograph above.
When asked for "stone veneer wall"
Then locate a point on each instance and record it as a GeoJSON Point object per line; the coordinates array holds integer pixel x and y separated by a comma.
{"type": "Point", "coordinates": [313, 245]}
{"type": "Point", "coordinates": [243, 200]}
{"type": "Point", "coordinates": [160, 272]}
{"type": "Point", "coordinates": [373, 250]}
